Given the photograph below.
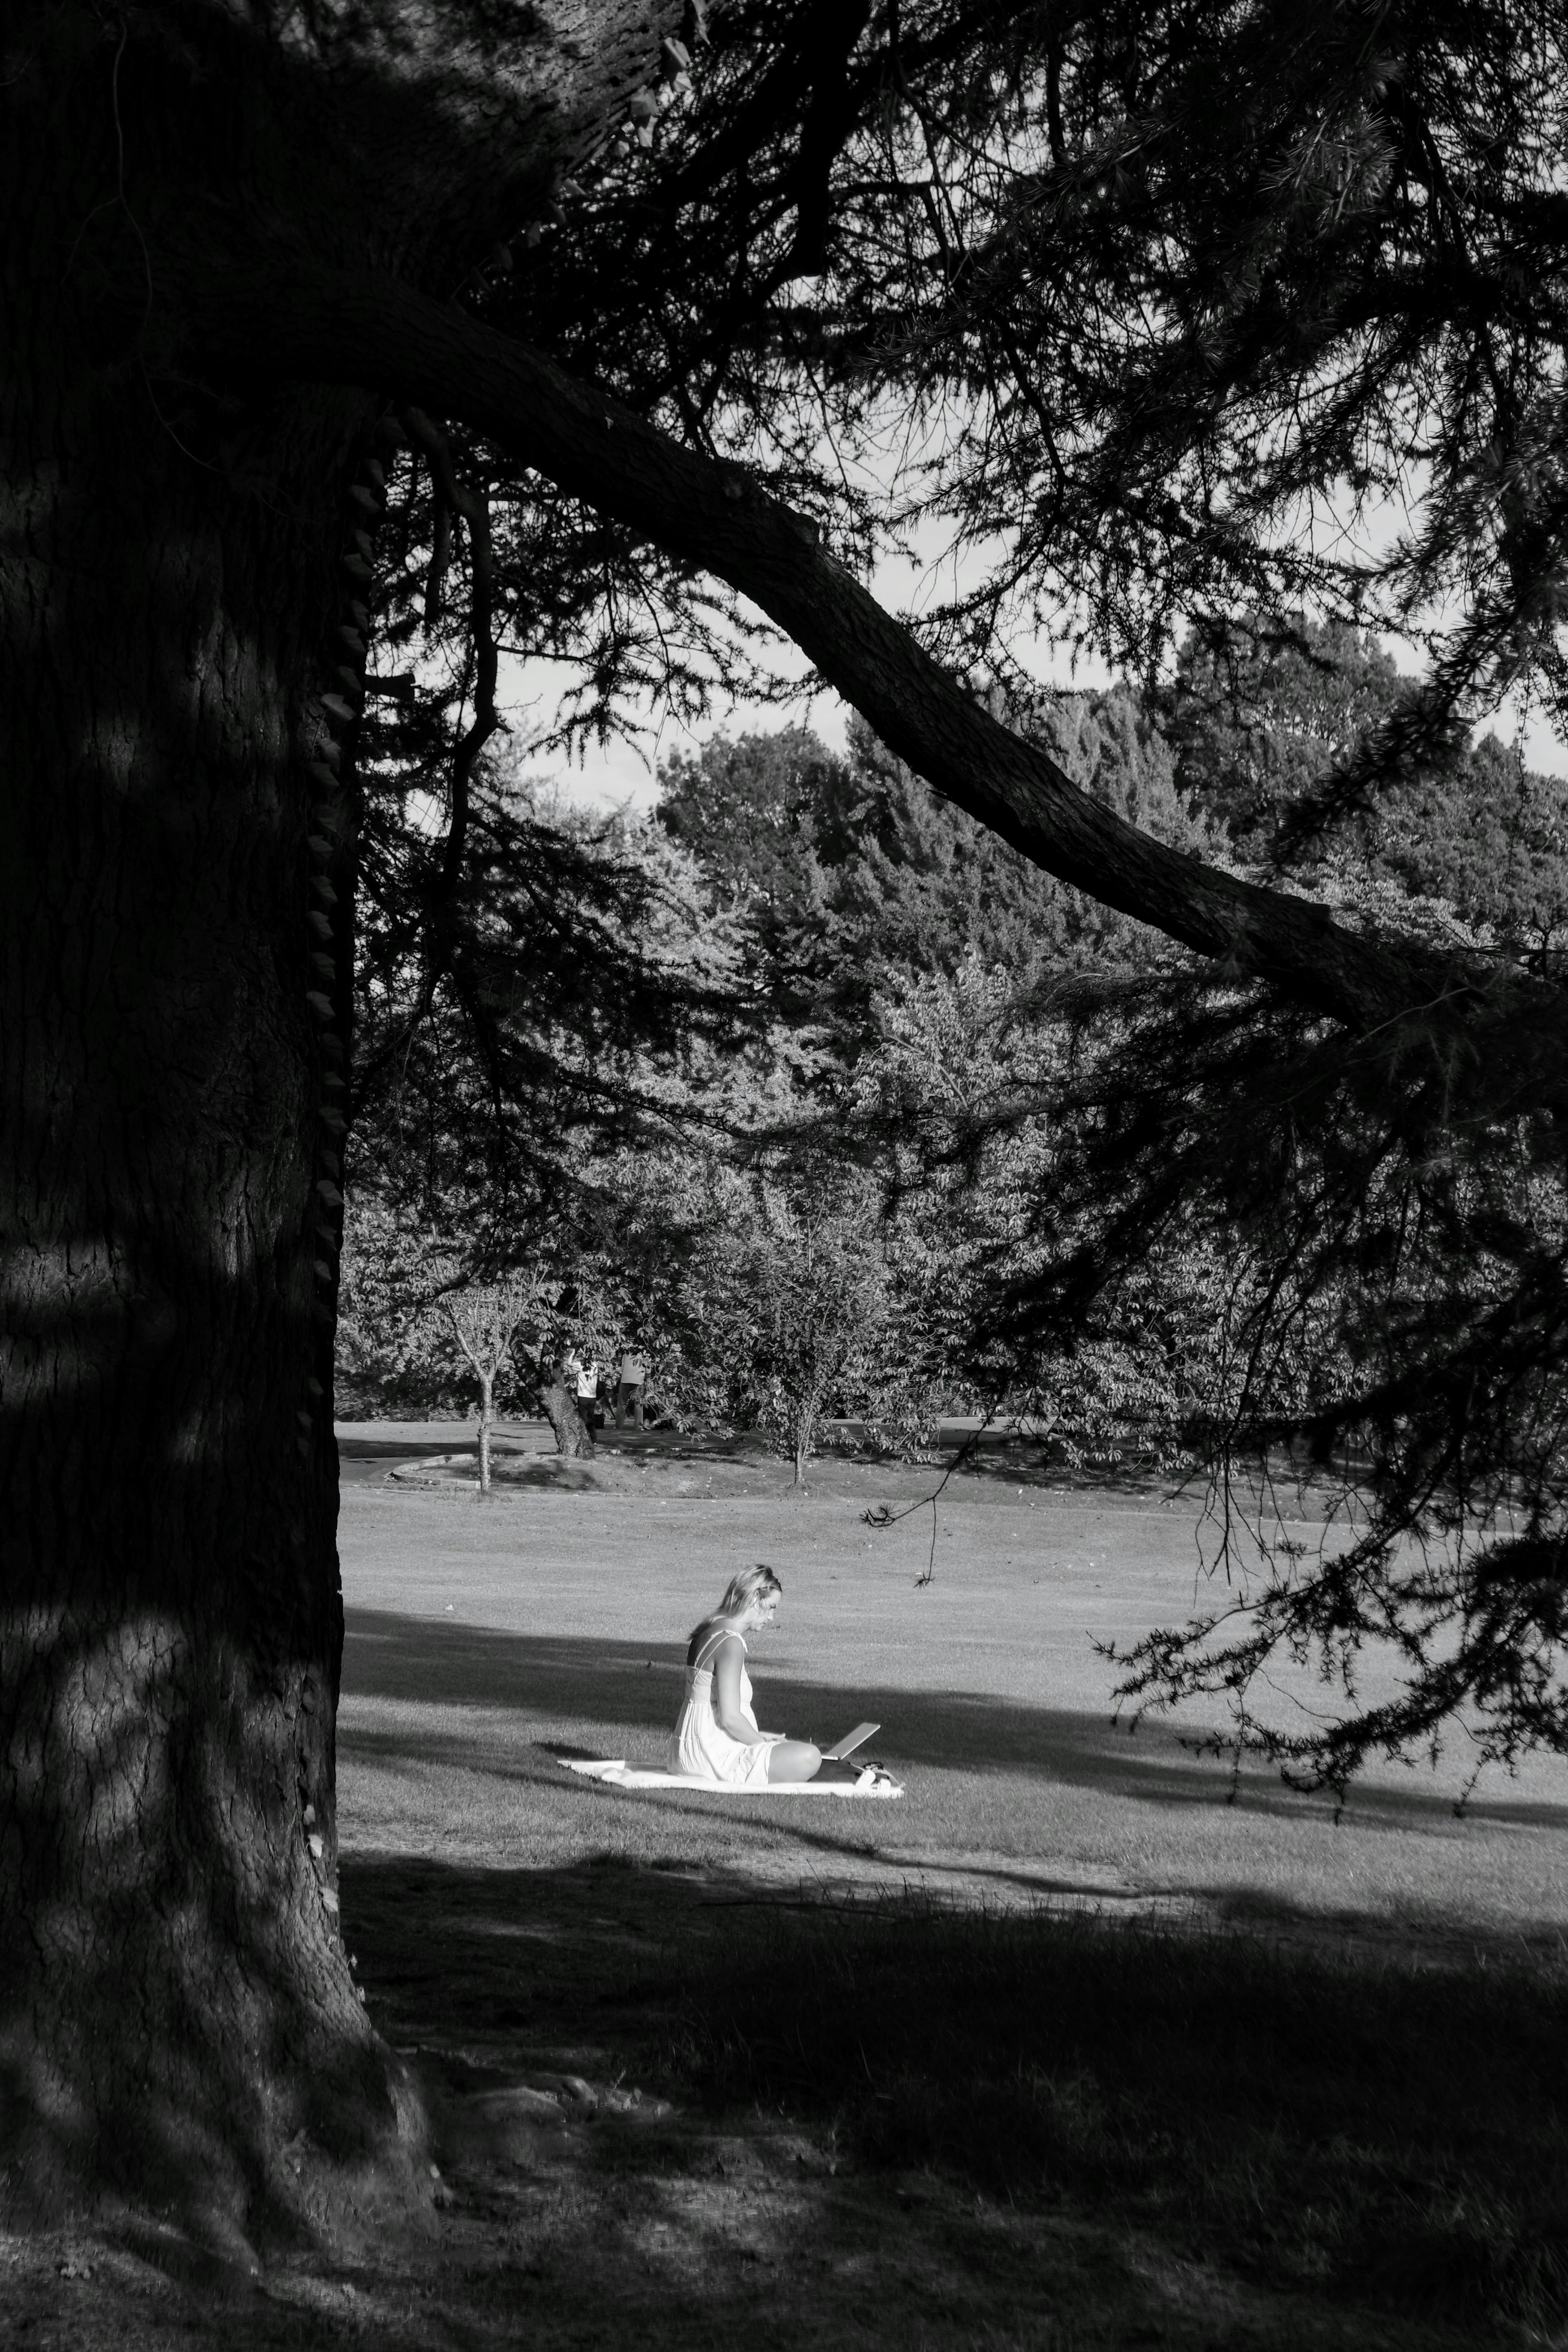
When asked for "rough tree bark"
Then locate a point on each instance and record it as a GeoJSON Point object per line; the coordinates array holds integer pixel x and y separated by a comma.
{"type": "Point", "coordinates": [573, 1435]}
{"type": "Point", "coordinates": [178, 2017]}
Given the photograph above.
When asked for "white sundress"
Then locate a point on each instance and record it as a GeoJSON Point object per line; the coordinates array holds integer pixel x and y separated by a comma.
{"type": "Point", "coordinates": [700, 1746]}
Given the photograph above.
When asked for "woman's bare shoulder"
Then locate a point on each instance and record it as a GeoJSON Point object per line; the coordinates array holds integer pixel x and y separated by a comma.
{"type": "Point", "coordinates": [703, 1639]}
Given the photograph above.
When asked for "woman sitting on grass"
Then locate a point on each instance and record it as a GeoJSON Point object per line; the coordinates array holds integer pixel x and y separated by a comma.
{"type": "Point", "coordinates": [715, 1735]}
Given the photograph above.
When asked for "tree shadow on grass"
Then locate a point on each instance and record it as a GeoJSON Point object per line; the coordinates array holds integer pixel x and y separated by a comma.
{"type": "Point", "coordinates": [635, 1687]}
{"type": "Point", "coordinates": [1192, 2140]}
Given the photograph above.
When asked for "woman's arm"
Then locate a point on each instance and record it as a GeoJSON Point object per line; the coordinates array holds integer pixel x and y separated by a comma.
{"type": "Point", "coordinates": [727, 1706]}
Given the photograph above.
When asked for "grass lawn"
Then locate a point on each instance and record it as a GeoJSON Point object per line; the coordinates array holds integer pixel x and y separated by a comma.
{"type": "Point", "coordinates": [479, 1628]}
{"type": "Point", "coordinates": [1079, 2047]}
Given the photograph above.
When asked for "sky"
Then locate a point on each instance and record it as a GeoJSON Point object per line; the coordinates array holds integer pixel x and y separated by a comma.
{"type": "Point", "coordinates": [616, 776]}
{"type": "Point", "coordinates": [622, 775]}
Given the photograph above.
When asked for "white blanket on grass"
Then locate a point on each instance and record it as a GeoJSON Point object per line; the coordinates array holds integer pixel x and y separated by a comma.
{"type": "Point", "coordinates": [614, 1772]}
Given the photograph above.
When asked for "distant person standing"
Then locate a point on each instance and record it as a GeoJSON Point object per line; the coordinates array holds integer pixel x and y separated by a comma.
{"type": "Point", "coordinates": [588, 1392]}
{"type": "Point", "coordinates": [630, 1387]}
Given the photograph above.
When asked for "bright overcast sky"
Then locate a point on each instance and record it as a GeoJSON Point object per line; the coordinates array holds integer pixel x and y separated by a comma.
{"type": "Point", "coordinates": [619, 776]}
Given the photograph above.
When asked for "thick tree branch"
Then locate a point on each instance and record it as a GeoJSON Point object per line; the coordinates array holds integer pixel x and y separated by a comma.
{"type": "Point", "coordinates": [473, 507]}
{"type": "Point", "coordinates": [379, 333]}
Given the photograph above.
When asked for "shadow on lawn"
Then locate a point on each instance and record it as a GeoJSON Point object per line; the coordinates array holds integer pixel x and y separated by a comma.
{"type": "Point", "coordinates": [636, 1686]}
{"type": "Point", "coordinates": [1274, 2114]}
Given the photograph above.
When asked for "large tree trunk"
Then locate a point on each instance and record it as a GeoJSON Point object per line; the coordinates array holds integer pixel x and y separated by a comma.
{"type": "Point", "coordinates": [172, 1073]}
{"type": "Point", "coordinates": [178, 2017]}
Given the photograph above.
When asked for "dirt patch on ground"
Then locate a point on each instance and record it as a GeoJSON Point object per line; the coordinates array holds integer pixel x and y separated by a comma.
{"type": "Point", "coordinates": [676, 1463]}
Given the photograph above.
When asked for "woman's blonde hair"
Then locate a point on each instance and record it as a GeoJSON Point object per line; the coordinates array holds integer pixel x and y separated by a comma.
{"type": "Point", "coordinates": [752, 1584]}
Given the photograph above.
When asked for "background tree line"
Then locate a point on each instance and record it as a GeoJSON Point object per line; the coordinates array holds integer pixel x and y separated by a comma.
{"type": "Point", "coordinates": [808, 1078]}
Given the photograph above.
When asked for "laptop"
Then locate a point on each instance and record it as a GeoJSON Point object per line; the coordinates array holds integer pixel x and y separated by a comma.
{"type": "Point", "coordinates": [849, 1742]}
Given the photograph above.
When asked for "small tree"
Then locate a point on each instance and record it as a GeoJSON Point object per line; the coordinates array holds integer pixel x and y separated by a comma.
{"type": "Point", "coordinates": [518, 1326]}
{"type": "Point", "coordinates": [780, 1305]}
{"type": "Point", "coordinates": [411, 1320]}
{"type": "Point", "coordinates": [815, 1285]}
{"type": "Point", "coordinates": [484, 1319]}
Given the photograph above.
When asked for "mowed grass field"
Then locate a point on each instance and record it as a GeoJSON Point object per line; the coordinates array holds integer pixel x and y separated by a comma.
{"type": "Point", "coordinates": [481, 1629]}
{"type": "Point", "coordinates": [1077, 2048]}
{"type": "Point", "coordinates": [1082, 2044]}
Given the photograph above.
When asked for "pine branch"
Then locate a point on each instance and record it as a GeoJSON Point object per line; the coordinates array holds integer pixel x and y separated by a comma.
{"type": "Point", "coordinates": [360, 330]}
{"type": "Point", "coordinates": [473, 506]}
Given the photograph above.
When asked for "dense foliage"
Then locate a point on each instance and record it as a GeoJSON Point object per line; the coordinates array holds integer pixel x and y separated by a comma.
{"type": "Point", "coordinates": [1222, 343]}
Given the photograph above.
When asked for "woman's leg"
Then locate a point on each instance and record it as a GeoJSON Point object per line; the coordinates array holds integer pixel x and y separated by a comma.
{"type": "Point", "coordinates": [793, 1759]}
{"type": "Point", "coordinates": [796, 1759]}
